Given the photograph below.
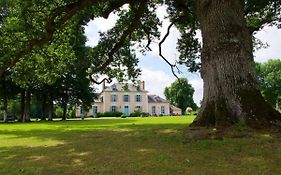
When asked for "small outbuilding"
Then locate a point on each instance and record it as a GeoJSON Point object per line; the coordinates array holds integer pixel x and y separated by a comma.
{"type": "Point", "coordinates": [175, 110]}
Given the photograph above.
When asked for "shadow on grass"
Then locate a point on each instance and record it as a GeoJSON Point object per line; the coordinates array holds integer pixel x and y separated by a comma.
{"type": "Point", "coordinates": [106, 148]}
{"type": "Point", "coordinates": [128, 147]}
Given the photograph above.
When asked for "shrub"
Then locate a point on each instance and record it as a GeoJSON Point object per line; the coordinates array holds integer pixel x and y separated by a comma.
{"type": "Point", "coordinates": [138, 113]}
{"type": "Point", "coordinates": [110, 114]}
{"type": "Point", "coordinates": [144, 114]}
{"type": "Point", "coordinates": [99, 114]}
{"type": "Point", "coordinates": [59, 111]}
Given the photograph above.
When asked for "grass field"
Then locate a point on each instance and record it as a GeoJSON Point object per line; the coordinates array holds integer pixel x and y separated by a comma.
{"type": "Point", "coordinates": [133, 146]}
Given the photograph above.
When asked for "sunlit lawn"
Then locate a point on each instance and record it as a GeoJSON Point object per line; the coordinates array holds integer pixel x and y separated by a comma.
{"type": "Point", "coordinates": [133, 146]}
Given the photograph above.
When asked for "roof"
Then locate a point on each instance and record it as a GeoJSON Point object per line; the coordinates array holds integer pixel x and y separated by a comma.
{"type": "Point", "coordinates": [174, 108]}
{"type": "Point", "coordinates": [156, 99]}
{"type": "Point", "coordinates": [119, 87]}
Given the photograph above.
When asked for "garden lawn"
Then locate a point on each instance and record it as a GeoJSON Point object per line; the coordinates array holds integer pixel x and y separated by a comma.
{"type": "Point", "coordinates": [133, 146]}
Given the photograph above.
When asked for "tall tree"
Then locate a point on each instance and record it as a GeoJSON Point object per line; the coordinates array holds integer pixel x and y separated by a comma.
{"type": "Point", "coordinates": [180, 94]}
{"type": "Point", "coordinates": [269, 75]}
{"type": "Point", "coordinates": [231, 92]}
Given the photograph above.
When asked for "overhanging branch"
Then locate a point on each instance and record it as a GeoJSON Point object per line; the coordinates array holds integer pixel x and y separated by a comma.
{"type": "Point", "coordinates": [130, 29]}
{"type": "Point", "coordinates": [54, 22]}
{"type": "Point", "coordinates": [173, 66]}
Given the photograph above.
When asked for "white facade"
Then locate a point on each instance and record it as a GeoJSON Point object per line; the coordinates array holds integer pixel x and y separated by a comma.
{"type": "Point", "coordinates": [127, 100]}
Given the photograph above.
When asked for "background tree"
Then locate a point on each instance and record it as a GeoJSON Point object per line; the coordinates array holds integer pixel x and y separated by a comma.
{"type": "Point", "coordinates": [180, 94]}
{"type": "Point", "coordinates": [269, 75]}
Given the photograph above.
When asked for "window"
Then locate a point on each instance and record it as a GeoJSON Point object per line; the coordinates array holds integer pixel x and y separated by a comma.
{"type": "Point", "coordinates": [153, 110]}
{"type": "Point", "coordinates": [113, 97]}
{"type": "Point", "coordinates": [138, 108]}
{"type": "Point", "coordinates": [114, 88]}
{"type": "Point", "coordinates": [162, 109]}
{"type": "Point", "coordinates": [95, 110]}
{"type": "Point", "coordinates": [113, 109]}
{"type": "Point", "coordinates": [126, 98]}
{"type": "Point", "coordinates": [138, 98]}
{"type": "Point", "coordinates": [81, 111]}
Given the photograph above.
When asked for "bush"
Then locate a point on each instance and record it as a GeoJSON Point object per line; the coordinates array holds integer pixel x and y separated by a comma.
{"type": "Point", "coordinates": [99, 114]}
{"type": "Point", "coordinates": [59, 111]}
{"type": "Point", "coordinates": [109, 114]}
{"type": "Point", "coordinates": [138, 113]}
{"type": "Point", "coordinates": [144, 114]}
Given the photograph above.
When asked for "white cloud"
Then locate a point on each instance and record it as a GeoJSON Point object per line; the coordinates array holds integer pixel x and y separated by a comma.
{"type": "Point", "coordinates": [156, 81]}
{"type": "Point", "coordinates": [272, 36]}
{"type": "Point", "coordinates": [197, 84]}
{"type": "Point", "coordinates": [99, 25]}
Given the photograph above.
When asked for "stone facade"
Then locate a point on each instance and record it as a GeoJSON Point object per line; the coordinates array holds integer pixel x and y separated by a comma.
{"type": "Point", "coordinates": [127, 100]}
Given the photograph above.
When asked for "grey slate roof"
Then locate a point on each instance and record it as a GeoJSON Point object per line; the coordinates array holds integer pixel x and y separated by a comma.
{"type": "Point", "coordinates": [156, 99]}
{"type": "Point", "coordinates": [118, 87]}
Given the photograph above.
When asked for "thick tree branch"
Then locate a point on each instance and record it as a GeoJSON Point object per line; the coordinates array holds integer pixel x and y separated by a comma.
{"type": "Point", "coordinates": [130, 29]}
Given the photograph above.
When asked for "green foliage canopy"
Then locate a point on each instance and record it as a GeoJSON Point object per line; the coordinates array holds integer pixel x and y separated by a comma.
{"type": "Point", "coordinates": [34, 25]}
{"type": "Point", "coordinates": [269, 75]}
{"type": "Point", "coordinates": [180, 94]}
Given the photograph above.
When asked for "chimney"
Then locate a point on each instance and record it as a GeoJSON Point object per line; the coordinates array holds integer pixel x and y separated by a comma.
{"type": "Point", "coordinates": [142, 85]}
{"type": "Point", "coordinates": [103, 85]}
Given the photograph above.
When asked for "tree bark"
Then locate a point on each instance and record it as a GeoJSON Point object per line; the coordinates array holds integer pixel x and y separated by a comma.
{"type": "Point", "coordinates": [5, 108]}
{"type": "Point", "coordinates": [231, 92]}
{"type": "Point", "coordinates": [64, 105]}
{"type": "Point", "coordinates": [26, 115]}
{"type": "Point", "coordinates": [43, 107]}
{"type": "Point", "coordinates": [50, 107]}
{"type": "Point", "coordinates": [64, 111]}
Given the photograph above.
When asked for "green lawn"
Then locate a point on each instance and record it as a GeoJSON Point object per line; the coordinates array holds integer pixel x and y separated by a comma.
{"type": "Point", "coordinates": [133, 146]}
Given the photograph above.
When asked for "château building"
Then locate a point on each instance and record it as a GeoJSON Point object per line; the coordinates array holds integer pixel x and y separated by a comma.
{"type": "Point", "coordinates": [134, 97]}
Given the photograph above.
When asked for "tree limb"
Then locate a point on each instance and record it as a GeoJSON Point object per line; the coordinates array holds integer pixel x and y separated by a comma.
{"type": "Point", "coordinates": [130, 29]}
{"type": "Point", "coordinates": [160, 50]}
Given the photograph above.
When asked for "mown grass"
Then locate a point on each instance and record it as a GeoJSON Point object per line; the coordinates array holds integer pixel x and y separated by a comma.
{"type": "Point", "coordinates": [134, 146]}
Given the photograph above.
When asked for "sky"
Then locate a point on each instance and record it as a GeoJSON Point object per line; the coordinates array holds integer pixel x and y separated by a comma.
{"type": "Point", "coordinates": [157, 74]}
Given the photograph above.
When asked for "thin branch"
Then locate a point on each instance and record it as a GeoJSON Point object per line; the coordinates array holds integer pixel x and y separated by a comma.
{"type": "Point", "coordinates": [108, 80]}
{"type": "Point", "coordinates": [147, 36]}
{"type": "Point", "coordinates": [160, 50]}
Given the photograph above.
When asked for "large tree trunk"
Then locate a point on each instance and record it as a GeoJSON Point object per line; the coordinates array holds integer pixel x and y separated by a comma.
{"type": "Point", "coordinates": [231, 92]}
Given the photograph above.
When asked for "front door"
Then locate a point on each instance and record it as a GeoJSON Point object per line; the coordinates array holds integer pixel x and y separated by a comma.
{"type": "Point", "coordinates": [126, 110]}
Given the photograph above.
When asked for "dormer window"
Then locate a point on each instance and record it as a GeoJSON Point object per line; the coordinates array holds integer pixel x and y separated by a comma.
{"type": "Point", "coordinates": [114, 88]}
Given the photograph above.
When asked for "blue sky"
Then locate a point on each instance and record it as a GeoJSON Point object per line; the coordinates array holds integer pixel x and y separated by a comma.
{"type": "Point", "coordinates": [157, 74]}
